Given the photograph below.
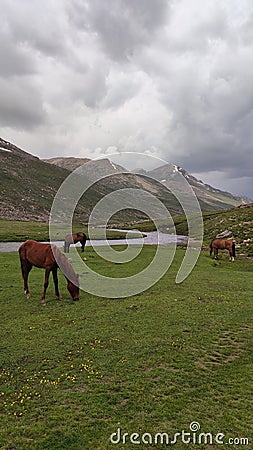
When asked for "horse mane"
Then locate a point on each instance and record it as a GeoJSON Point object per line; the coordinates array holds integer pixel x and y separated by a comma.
{"type": "Point", "coordinates": [64, 265]}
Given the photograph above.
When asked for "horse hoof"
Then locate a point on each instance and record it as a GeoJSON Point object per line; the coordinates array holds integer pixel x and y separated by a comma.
{"type": "Point", "coordinates": [28, 296]}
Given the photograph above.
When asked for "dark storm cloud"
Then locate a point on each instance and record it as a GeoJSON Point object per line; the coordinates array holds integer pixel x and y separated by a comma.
{"type": "Point", "coordinates": [25, 32]}
{"type": "Point", "coordinates": [20, 105]}
{"type": "Point", "coordinates": [35, 25]}
{"type": "Point", "coordinates": [15, 60]}
{"type": "Point", "coordinates": [208, 90]}
{"type": "Point", "coordinates": [121, 26]}
{"type": "Point", "coordinates": [171, 76]}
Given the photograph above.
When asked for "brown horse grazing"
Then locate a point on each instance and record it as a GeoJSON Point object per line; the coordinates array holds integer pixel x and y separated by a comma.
{"type": "Point", "coordinates": [73, 239]}
{"type": "Point", "coordinates": [222, 244]}
{"type": "Point", "coordinates": [33, 253]}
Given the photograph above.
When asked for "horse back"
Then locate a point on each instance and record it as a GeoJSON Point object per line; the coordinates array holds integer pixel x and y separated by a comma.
{"type": "Point", "coordinates": [80, 234]}
{"type": "Point", "coordinates": [75, 237]}
{"type": "Point", "coordinates": [37, 254]}
{"type": "Point", "coordinates": [219, 243]}
{"type": "Point", "coordinates": [222, 244]}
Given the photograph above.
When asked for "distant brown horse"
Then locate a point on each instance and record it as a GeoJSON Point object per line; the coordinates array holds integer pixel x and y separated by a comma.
{"type": "Point", "coordinates": [222, 244]}
{"type": "Point", "coordinates": [73, 239]}
{"type": "Point", "coordinates": [33, 253]}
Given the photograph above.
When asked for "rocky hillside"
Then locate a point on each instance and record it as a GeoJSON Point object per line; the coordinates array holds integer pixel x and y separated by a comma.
{"type": "Point", "coordinates": [69, 163]}
{"type": "Point", "coordinates": [28, 185]}
{"type": "Point", "coordinates": [210, 198]}
{"type": "Point", "coordinates": [238, 221]}
{"type": "Point", "coordinates": [115, 177]}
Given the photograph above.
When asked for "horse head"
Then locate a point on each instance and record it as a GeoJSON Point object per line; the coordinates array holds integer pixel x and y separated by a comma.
{"type": "Point", "coordinates": [73, 288]}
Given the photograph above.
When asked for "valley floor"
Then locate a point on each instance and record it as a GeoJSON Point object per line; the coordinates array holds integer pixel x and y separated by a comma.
{"type": "Point", "coordinates": [79, 375]}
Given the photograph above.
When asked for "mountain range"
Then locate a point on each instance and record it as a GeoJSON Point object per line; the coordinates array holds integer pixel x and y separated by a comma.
{"type": "Point", "coordinates": [29, 184]}
{"type": "Point", "coordinates": [210, 198]}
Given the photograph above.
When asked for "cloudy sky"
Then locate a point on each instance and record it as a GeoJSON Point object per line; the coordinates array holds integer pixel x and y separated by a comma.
{"type": "Point", "coordinates": [173, 78]}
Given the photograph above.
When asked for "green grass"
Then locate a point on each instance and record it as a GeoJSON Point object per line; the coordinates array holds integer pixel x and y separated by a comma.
{"type": "Point", "coordinates": [18, 231]}
{"type": "Point", "coordinates": [71, 374]}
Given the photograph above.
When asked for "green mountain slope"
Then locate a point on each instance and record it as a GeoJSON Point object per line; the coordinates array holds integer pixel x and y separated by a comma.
{"type": "Point", "coordinates": [28, 186]}
{"type": "Point", "coordinates": [238, 220]}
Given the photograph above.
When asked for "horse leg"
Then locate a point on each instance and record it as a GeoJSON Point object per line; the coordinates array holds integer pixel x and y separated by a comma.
{"type": "Point", "coordinates": [216, 253]}
{"type": "Point", "coordinates": [57, 293]}
{"type": "Point", "coordinates": [83, 242]}
{"type": "Point", "coordinates": [233, 252]}
{"type": "Point", "coordinates": [66, 247]}
{"type": "Point", "coordinates": [26, 267]}
{"type": "Point", "coordinates": [231, 256]}
{"type": "Point", "coordinates": [47, 273]}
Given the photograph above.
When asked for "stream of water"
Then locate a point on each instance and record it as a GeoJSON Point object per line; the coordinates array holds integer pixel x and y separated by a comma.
{"type": "Point", "coordinates": [150, 239]}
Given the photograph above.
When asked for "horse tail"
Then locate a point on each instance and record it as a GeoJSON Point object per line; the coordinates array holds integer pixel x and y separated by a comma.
{"type": "Point", "coordinates": [211, 248]}
{"type": "Point", "coordinates": [22, 257]}
{"type": "Point", "coordinates": [233, 249]}
{"type": "Point", "coordinates": [21, 251]}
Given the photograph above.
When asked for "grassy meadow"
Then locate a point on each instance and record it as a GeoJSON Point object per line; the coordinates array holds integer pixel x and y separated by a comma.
{"type": "Point", "coordinates": [73, 373]}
